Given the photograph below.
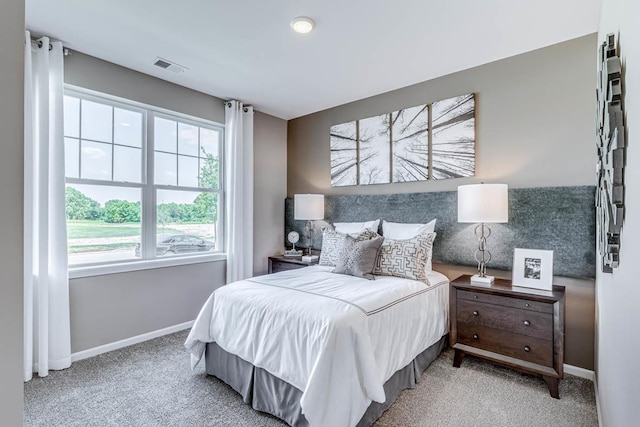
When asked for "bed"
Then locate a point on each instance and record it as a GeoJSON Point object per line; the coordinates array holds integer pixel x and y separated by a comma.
{"type": "Point", "coordinates": [318, 348]}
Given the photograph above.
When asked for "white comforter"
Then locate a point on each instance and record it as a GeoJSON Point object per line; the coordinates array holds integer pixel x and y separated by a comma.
{"type": "Point", "coordinates": [337, 338]}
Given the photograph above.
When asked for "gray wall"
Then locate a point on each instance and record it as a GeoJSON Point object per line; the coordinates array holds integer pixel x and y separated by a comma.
{"type": "Point", "coordinates": [113, 307]}
{"type": "Point", "coordinates": [102, 76]}
{"type": "Point", "coordinates": [109, 308]}
{"type": "Point", "coordinates": [534, 123]}
{"type": "Point", "coordinates": [618, 314]}
{"type": "Point", "coordinates": [534, 129]}
{"type": "Point", "coordinates": [11, 209]}
{"type": "Point", "coordinates": [269, 188]}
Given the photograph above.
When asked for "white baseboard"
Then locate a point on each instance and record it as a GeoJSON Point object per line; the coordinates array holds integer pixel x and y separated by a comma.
{"type": "Point", "coordinates": [579, 372]}
{"type": "Point", "coordinates": [595, 386]}
{"type": "Point", "coordinates": [130, 341]}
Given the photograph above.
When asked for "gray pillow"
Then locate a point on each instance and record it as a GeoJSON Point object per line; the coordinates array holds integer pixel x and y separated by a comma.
{"type": "Point", "coordinates": [358, 257]}
{"type": "Point", "coordinates": [333, 241]}
{"type": "Point", "coordinates": [405, 258]}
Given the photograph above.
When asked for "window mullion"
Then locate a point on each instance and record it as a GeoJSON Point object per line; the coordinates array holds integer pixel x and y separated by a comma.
{"type": "Point", "coordinates": [113, 139]}
{"type": "Point", "coordinates": [149, 195]}
{"type": "Point", "coordinates": [80, 101]}
{"type": "Point", "coordinates": [222, 217]}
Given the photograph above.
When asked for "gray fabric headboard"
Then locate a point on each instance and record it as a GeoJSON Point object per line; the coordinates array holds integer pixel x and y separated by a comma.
{"type": "Point", "coordinates": [561, 219]}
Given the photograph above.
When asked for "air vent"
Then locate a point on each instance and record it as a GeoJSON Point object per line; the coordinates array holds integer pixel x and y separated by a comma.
{"type": "Point", "coordinates": [168, 65]}
{"type": "Point", "coordinates": [162, 64]}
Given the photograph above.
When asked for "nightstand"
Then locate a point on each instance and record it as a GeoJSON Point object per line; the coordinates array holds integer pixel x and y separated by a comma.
{"type": "Point", "coordinates": [517, 327]}
{"type": "Point", "coordinates": [282, 263]}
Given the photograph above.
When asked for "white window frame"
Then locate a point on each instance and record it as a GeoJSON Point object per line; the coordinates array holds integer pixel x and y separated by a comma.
{"type": "Point", "coordinates": [148, 191]}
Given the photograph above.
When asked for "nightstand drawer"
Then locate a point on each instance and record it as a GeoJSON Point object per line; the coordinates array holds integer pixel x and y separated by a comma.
{"type": "Point", "coordinates": [522, 347]}
{"type": "Point", "coordinates": [277, 266]}
{"type": "Point", "coordinates": [506, 301]}
{"type": "Point", "coordinates": [282, 263]}
{"type": "Point", "coordinates": [530, 323]}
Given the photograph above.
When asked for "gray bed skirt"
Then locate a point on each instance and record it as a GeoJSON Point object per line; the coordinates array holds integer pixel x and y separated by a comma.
{"type": "Point", "coordinates": [267, 393]}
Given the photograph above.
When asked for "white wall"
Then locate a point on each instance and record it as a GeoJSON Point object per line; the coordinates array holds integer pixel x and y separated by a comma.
{"type": "Point", "coordinates": [618, 294]}
{"type": "Point", "coordinates": [11, 209]}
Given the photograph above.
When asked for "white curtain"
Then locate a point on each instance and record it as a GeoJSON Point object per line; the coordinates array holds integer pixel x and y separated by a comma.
{"type": "Point", "coordinates": [46, 281]}
{"type": "Point", "coordinates": [239, 190]}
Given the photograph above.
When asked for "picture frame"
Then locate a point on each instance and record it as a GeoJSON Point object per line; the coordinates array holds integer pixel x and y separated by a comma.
{"type": "Point", "coordinates": [533, 268]}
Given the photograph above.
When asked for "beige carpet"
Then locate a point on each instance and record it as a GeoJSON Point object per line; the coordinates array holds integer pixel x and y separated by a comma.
{"type": "Point", "coordinates": [150, 384]}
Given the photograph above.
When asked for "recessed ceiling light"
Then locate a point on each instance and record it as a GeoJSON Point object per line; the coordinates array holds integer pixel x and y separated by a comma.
{"type": "Point", "coordinates": [302, 24]}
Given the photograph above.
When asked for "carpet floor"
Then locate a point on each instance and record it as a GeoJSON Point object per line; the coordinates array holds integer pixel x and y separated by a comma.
{"type": "Point", "coordinates": [151, 384]}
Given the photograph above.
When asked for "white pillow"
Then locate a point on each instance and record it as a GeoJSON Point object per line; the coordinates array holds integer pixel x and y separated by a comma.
{"type": "Point", "coordinates": [401, 231]}
{"type": "Point", "coordinates": [356, 227]}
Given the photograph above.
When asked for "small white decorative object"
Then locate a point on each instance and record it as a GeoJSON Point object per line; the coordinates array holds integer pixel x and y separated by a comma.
{"type": "Point", "coordinates": [533, 268]}
{"type": "Point", "coordinates": [293, 238]}
{"type": "Point", "coordinates": [310, 258]}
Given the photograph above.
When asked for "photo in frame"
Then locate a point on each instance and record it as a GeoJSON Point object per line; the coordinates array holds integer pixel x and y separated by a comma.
{"type": "Point", "coordinates": [533, 268]}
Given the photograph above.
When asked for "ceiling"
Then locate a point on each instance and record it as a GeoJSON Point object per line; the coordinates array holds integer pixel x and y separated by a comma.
{"type": "Point", "coordinates": [246, 50]}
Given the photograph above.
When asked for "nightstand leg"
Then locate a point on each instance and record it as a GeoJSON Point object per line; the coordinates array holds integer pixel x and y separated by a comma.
{"type": "Point", "coordinates": [552, 384]}
{"type": "Point", "coordinates": [457, 358]}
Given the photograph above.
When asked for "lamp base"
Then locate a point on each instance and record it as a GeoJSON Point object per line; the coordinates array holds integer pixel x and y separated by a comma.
{"type": "Point", "coordinates": [486, 280]}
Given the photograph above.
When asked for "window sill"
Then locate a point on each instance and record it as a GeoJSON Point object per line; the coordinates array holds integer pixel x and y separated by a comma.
{"type": "Point", "coordinates": [78, 272]}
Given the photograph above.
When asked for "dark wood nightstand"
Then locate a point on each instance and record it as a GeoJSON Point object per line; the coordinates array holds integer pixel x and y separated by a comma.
{"type": "Point", "coordinates": [518, 327]}
{"type": "Point", "coordinates": [282, 263]}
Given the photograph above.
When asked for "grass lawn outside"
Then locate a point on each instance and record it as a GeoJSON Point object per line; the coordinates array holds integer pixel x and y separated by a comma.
{"type": "Point", "coordinates": [85, 237]}
{"type": "Point", "coordinates": [100, 247]}
{"type": "Point", "coordinates": [101, 229]}
{"type": "Point", "coordinates": [98, 229]}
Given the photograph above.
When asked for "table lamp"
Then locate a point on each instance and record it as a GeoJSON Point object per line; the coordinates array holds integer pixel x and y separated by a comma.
{"type": "Point", "coordinates": [308, 207]}
{"type": "Point", "coordinates": [483, 204]}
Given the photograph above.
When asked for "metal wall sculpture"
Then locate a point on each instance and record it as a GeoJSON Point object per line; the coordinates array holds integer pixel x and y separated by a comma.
{"type": "Point", "coordinates": [611, 154]}
{"type": "Point", "coordinates": [430, 141]}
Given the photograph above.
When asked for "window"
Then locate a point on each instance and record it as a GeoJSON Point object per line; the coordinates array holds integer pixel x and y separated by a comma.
{"type": "Point", "coordinates": [142, 184]}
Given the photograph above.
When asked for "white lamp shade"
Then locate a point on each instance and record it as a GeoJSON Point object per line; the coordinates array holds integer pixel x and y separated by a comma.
{"type": "Point", "coordinates": [488, 203]}
{"type": "Point", "coordinates": [308, 206]}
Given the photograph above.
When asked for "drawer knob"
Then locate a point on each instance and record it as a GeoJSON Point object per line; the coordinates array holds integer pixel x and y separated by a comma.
{"type": "Point", "coordinates": [527, 348]}
{"type": "Point", "coordinates": [475, 336]}
{"type": "Point", "coordinates": [526, 323]}
{"type": "Point", "coordinates": [527, 305]}
{"type": "Point", "coordinates": [475, 296]}
{"type": "Point", "coordinates": [475, 313]}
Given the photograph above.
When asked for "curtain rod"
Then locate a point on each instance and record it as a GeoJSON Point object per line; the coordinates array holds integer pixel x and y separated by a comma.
{"type": "Point", "coordinates": [39, 43]}
{"type": "Point", "coordinates": [228, 104]}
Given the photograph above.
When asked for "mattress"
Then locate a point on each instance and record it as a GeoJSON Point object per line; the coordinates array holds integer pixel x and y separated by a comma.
{"type": "Point", "coordinates": [336, 338]}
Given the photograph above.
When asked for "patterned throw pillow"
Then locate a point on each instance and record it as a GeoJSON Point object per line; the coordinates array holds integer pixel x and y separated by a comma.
{"type": "Point", "coordinates": [358, 258]}
{"type": "Point", "coordinates": [332, 242]}
{"type": "Point", "coordinates": [405, 258]}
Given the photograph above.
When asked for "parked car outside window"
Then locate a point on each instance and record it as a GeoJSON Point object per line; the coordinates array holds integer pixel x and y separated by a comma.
{"type": "Point", "coordinates": [172, 244]}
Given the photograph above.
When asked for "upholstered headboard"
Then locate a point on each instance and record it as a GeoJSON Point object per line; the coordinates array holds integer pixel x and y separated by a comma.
{"type": "Point", "coordinates": [561, 219]}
